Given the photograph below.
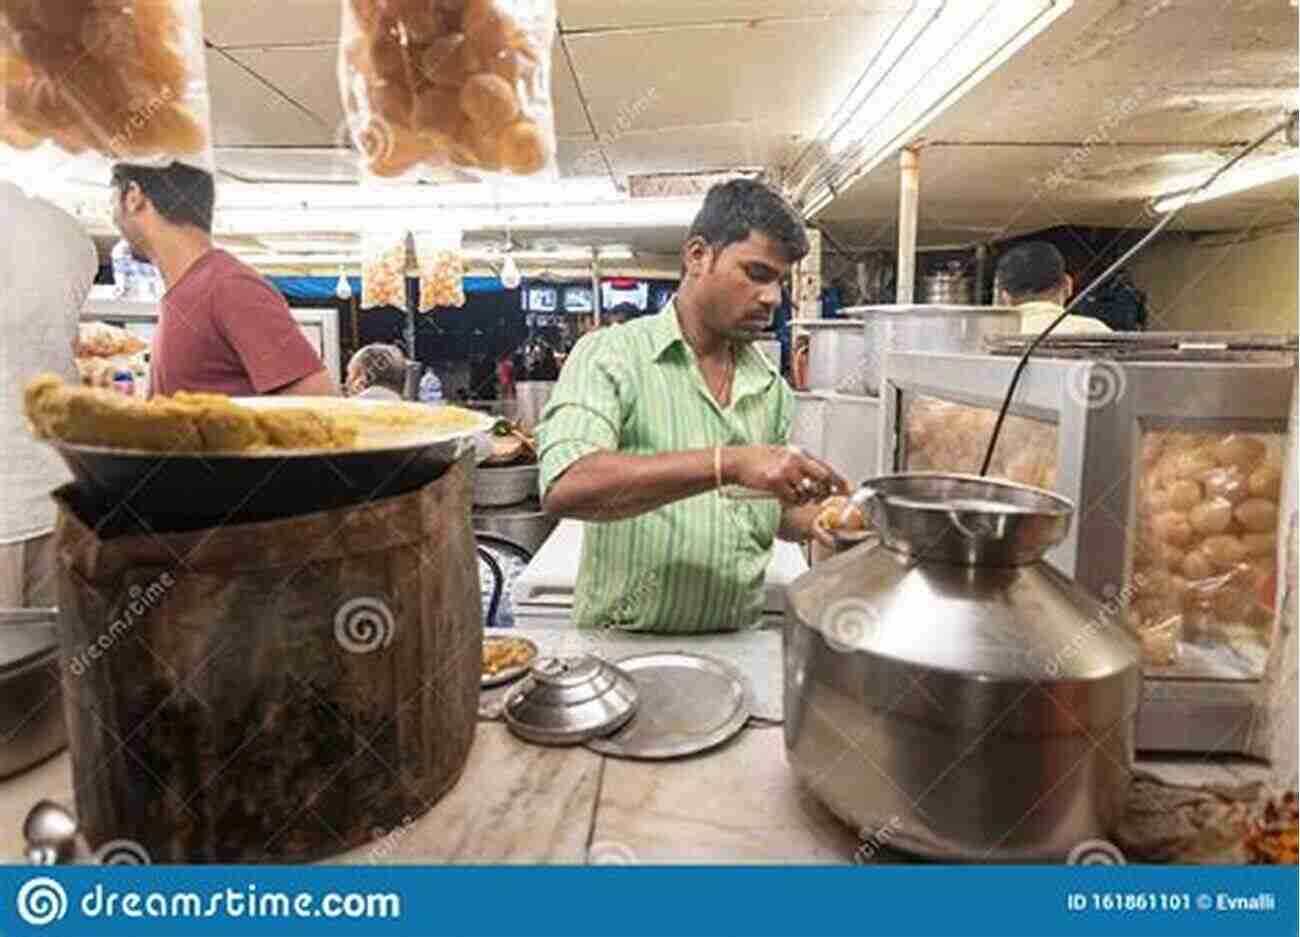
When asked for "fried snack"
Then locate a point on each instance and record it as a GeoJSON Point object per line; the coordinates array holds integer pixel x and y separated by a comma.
{"type": "Point", "coordinates": [101, 340]}
{"type": "Point", "coordinates": [503, 653]}
{"type": "Point", "coordinates": [108, 77]}
{"type": "Point", "coordinates": [447, 83]}
{"type": "Point", "coordinates": [833, 517]}
{"type": "Point", "coordinates": [1272, 838]}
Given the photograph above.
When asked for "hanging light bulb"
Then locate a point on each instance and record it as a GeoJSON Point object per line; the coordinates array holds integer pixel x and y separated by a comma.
{"type": "Point", "coordinates": [343, 289]}
{"type": "Point", "coordinates": [510, 277]}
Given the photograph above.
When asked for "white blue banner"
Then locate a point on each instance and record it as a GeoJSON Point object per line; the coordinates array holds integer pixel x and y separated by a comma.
{"type": "Point", "coordinates": [1000, 901]}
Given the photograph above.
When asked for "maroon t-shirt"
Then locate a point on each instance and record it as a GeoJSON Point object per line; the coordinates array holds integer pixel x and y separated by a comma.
{"type": "Point", "coordinates": [224, 329]}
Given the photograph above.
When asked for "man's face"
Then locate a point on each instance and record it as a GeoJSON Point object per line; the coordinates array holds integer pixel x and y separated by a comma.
{"type": "Point", "coordinates": [128, 207]}
{"type": "Point", "coordinates": [740, 285]}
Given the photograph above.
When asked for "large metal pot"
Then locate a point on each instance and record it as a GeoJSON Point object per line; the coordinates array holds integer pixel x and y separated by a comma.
{"type": "Point", "coordinates": [946, 685]}
{"type": "Point", "coordinates": [530, 401]}
{"type": "Point", "coordinates": [526, 524]}
{"type": "Point", "coordinates": [840, 429]}
{"type": "Point", "coordinates": [949, 286]}
{"type": "Point", "coordinates": [497, 486]}
{"type": "Point", "coordinates": [925, 328]}
{"type": "Point", "coordinates": [837, 355]}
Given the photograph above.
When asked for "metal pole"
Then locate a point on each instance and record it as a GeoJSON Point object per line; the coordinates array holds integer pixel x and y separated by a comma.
{"type": "Point", "coordinates": [595, 288]}
{"type": "Point", "coordinates": [909, 197]}
{"type": "Point", "coordinates": [981, 272]}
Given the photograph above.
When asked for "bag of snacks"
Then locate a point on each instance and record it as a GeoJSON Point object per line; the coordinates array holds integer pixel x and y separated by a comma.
{"type": "Point", "coordinates": [442, 269]}
{"type": "Point", "coordinates": [449, 84]}
{"type": "Point", "coordinates": [383, 269]}
{"type": "Point", "coordinates": [115, 80]}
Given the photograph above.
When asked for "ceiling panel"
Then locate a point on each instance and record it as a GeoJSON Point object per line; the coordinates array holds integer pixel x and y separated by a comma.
{"type": "Point", "coordinates": [623, 14]}
{"type": "Point", "coordinates": [307, 76]}
{"type": "Point", "coordinates": [789, 73]}
{"type": "Point", "coordinates": [245, 112]}
{"type": "Point", "coordinates": [971, 193]}
{"type": "Point", "coordinates": [270, 22]}
{"type": "Point", "coordinates": [702, 148]}
{"type": "Point", "coordinates": [289, 165]}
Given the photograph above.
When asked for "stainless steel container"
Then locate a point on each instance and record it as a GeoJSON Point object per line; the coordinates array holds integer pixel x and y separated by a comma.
{"type": "Point", "coordinates": [944, 684]}
{"type": "Point", "coordinates": [838, 357]}
{"type": "Point", "coordinates": [949, 286]}
{"type": "Point", "coordinates": [530, 401]}
{"type": "Point", "coordinates": [808, 423]}
{"type": "Point", "coordinates": [772, 349]}
{"type": "Point", "coordinates": [498, 486]}
{"type": "Point", "coordinates": [851, 437]}
{"type": "Point", "coordinates": [526, 524]}
{"type": "Point", "coordinates": [925, 328]}
{"type": "Point", "coordinates": [31, 696]}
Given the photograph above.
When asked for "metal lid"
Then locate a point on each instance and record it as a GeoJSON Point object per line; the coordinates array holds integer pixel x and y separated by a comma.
{"type": "Point", "coordinates": [568, 700]}
{"type": "Point", "coordinates": [951, 310]}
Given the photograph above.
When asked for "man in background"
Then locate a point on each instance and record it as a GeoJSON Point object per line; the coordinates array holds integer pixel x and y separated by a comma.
{"type": "Point", "coordinates": [47, 265]}
{"type": "Point", "coordinates": [377, 372]}
{"type": "Point", "coordinates": [222, 328]}
{"type": "Point", "coordinates": [1032, 276]}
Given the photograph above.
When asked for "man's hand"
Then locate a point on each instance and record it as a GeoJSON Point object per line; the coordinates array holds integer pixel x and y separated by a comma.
{"type": "Point", "coordinates": [784, 472]}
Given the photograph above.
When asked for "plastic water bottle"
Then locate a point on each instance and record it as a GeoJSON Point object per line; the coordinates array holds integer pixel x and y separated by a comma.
{"type": "Point", "coordinates": [123, 268]}
{"type": "Point", "coordinates": [430, 388]}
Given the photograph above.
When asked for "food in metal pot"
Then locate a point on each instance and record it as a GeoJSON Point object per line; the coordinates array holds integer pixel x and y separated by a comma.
{"type": "Point", "coordinates": [500, 654]}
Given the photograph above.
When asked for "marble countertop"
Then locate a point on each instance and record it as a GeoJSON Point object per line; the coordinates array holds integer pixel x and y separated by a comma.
{"type": "Point", "coordinates": [523, 804]}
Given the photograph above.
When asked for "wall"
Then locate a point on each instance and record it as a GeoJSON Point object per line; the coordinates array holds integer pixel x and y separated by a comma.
{"type": "Point", "coordinates": [1220, 284]}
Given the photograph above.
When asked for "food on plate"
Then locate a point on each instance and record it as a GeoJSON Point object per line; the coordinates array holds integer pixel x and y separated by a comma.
{"type": "Point", "coordinates": [383, 272]}
{"type": "Point", "coordinates": [501, 654]}
{"type": "Point", "coordinates": [453, 83]}
{"type": "Point", "coordinates": [510, 443]}
{"type": "Point", "coordinates": [108, 77]}
{"type": "Point", "coordinates": [215, 423]}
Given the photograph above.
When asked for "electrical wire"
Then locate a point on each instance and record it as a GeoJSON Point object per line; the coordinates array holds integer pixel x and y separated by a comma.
{"type": "Point", "coordinates": [1109, 271]}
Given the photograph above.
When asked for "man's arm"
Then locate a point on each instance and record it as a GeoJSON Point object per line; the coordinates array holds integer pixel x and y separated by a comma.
{"type": "Point", "coordinates": [319, 384]}
{"type": "Point", "coordinates": [605, 486]}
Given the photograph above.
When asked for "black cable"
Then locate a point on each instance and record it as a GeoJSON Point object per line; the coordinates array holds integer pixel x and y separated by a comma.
{"type": "Point", "coordinates": [1110, 271]}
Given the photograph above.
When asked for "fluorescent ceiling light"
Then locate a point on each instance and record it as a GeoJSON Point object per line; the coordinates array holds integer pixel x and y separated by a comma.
{"type": "Point", "coordinates": [1246, 175]}
{"type": "Point", "coordinates": [612, 215]}
{"type": "Point", "coordinates": [239, 195]}
{"type": "Point", "coordinates": [937, 52]}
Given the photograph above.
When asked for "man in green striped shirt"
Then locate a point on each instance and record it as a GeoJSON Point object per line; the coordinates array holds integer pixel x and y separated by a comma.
{"type": "Point", "coordinates": [653, 423]}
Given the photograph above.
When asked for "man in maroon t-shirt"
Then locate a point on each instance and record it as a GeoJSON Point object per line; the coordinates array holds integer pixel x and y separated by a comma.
{"type": "Point", "coordinates": [222, 328]}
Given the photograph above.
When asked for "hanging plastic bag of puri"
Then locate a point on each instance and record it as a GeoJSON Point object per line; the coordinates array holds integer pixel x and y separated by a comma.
{"type": "Point", "coordinates": [442, 269]}
{"type": "Point", "coordinates": [383, 269]}
{"type": "Point", "coordinates": [441, 88]}
{"type": "Point", "coordinates": [87, 83]}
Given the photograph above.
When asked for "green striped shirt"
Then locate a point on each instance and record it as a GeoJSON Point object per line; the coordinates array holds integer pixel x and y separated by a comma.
{"type": "Point", "coordinates": [693, 565]}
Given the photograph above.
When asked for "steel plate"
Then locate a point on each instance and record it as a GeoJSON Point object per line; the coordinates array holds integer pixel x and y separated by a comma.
{"type": "Point", "coordinates": [510, 673]}
{"type": "Point", "coordinates": [688, 703]}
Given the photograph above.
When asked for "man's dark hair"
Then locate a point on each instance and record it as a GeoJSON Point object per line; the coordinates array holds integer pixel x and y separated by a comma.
{"type": "Point", "coordinates": [733, 209]}
{"type": "Point", "coordinates": [382, 366]}
{"type": "Point", "coordinates": [181, 194]}
{"type": "Point", "coordinates": [1030, 268]}
{"type": "Point", "coordinates": [624, 311]}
